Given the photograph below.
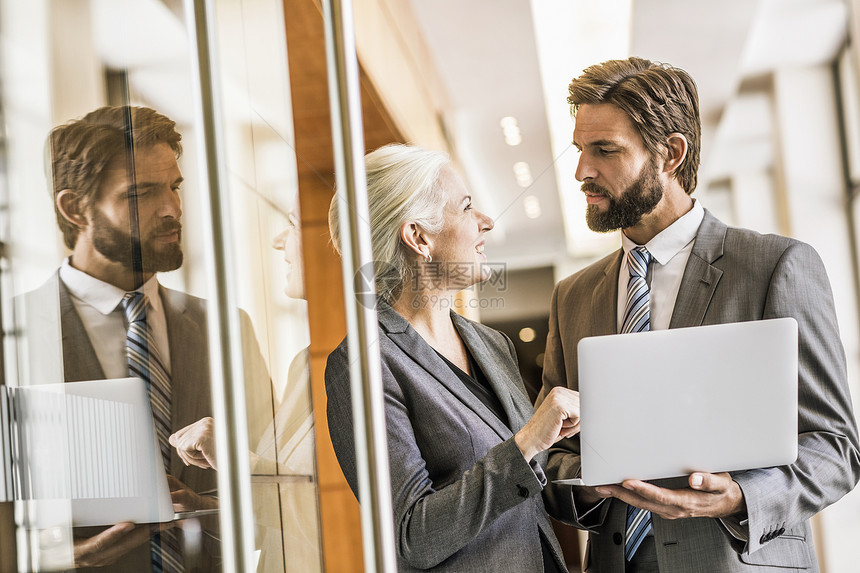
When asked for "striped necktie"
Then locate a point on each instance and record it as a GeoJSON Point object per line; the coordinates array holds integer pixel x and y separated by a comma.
{"type": "Point", "coordinates": [144, 362]}
{"type": "Point", "coordinates": [637, 318]}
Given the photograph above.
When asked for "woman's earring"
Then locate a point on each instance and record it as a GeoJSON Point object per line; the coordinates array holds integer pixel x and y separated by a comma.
{"type": "Point", "coordinates": [428, 258]}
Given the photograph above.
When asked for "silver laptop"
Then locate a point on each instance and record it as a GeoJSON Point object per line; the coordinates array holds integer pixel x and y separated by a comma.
{"type": "Point", "coordinates": [670, 402]}
{"type": "Point", "coordinates": [87, 455]}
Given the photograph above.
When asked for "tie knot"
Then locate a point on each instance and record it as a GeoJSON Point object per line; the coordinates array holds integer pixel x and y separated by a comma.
{"type": "Point", "coordinates": [637, 260]}
{"type": "Point", "coordinates": [134, 306]}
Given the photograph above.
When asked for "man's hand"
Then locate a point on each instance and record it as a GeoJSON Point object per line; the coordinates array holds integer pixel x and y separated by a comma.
{"type": "Point", "coordinates": [195, 443]}
{"type": "Point", "coordinates": [111, 544]}
{"type": "Point", "coordinates": [557, 417]}
{"type": "Point", "coordinates": [186, 499]}
{"type": "Point", "coordinates": [587, 495]}
{"type": "Point", "coordinates": [709, 495]}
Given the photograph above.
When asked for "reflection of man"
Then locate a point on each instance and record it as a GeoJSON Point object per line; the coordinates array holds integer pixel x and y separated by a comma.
{"type": "Point", "coordinates": [119, 212]}
{"type": "Point", "coordinates": [638, 128]}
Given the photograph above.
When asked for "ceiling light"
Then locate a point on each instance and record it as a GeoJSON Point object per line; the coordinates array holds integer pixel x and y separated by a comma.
{"type": "Point", "coordinates": [523, 173]}
{"type": "Point", "coordinates": [511, 130]}
{"type": "Point", "coordinates": [527, 334]}
{"type": "Point", "coordinates": [531, 204]}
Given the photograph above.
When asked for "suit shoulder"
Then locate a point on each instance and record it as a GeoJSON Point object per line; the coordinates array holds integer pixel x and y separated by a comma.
{"type": "Point", "coordinates": [179, 299]}
{"type": "Point", "coordinates": [744, 236]}
{"type": "Point", "coordinates": [50, 287]}
{"type": "Point", "coordinates": [747, 243]}
{"type": "Point", "coordinates": [337, 363]}
{"type": "Point", "coordinates": [340, 350]}
{"type": "Point", "coordinates": [586, 276]}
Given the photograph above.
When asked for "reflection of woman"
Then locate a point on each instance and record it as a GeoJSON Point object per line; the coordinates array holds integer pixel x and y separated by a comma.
{"type": "Point", "coordinates": [288, 441]}
{"type": "Point", "coordinates": [286, 448]}
{"type": "Point", "coordinates": [289, 241]}
{"type": "Point", "coordinates": [465, 449]}
{"type": "Point", "coordinates": [291, 442]}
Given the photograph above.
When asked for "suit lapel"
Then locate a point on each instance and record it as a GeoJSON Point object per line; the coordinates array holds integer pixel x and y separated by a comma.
{"type": "Point", "coordinates": [700, 276]}
{"type": "Point", "coordinates": [183, 336]}
{"type": "Point", "coordinates": [604, 298]}
{"type": "Point", "coordinates": [185, 340]}
{"type": "Point", "coordinates": [499, 377]}
{"type": "Point", "coordinates": [79, 357]}
{"type": "Point", "coordinates": [410, 342]}
{"type": "Point", "coordinates": [179, 332]}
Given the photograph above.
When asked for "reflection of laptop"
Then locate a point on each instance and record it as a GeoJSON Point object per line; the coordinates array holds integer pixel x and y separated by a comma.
{"type": "Point", "coordinates": [87, 454]}
{"type": "Point", "coordinates": [669, 402]}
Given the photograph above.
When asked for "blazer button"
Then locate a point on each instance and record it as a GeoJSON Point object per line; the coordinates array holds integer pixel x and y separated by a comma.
{"type": "Point", "coordinates": [522, 490]}
{"type": "Point", "coordinates": [780, 532]}
{"type": "Point", "coordinates": [617, 539]}
{"type": "Point", "coordinates": [764, 539]}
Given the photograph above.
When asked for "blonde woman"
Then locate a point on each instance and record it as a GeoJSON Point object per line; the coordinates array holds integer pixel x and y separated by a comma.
{"type": "Point", "coordinates": [466, 449]}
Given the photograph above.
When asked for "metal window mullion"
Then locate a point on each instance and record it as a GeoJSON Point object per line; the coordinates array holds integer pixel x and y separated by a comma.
{"type": "Point", "coordinates": [374, 483]}
{"type": "Point", "coordinates": [225, 341]}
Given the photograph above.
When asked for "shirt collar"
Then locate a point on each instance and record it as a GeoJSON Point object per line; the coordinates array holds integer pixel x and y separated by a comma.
{"type": "Point", "coordinates": [671, 240]}
{"type": "Point", "coordinates": [100, 295]}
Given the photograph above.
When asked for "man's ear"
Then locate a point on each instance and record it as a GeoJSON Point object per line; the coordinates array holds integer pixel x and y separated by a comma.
{"type": "Point", "coordinates": [70, 206]}
{"type": "Point", "coordinates": [676, 151]}
{"type": "Point", "coordinates": [415, 239]}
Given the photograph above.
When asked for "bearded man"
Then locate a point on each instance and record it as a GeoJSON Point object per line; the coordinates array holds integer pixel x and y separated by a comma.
{"type": "Point", "coordinates": [116, 191]}
{"type": "Point", "coordinates": [638, 130]}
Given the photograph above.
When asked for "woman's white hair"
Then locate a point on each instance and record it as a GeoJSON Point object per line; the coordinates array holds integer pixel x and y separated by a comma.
{"type": "Point", "coordinates": [402, 185]}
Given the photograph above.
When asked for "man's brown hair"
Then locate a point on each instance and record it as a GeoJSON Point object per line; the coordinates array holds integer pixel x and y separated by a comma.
{"type": "Point", "coordinates": [81, 151]}
{"type": "Point", "coordinates": [658, 98]}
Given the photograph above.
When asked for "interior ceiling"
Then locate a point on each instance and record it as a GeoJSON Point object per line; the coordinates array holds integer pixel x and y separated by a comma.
{"type": "Point", "coordinates": [486, 55]}
{"type": "Point", "coordinates": [487, 59]}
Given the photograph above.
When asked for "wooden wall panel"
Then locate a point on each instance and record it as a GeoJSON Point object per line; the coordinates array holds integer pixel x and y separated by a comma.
{"type": "Point", "coordinates": [8, 549]}
{"type": "Point", "coordinates": [341, 529]}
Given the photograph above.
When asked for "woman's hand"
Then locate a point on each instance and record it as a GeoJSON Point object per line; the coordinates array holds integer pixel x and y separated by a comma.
{"type": "Point", "coordinates": [556, 418]}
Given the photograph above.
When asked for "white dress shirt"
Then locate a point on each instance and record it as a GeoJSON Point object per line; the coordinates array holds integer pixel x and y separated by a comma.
{"type": "Point", "coordinates": [98, 305]}
{"type": "Point", "coordinates": [670, 249]}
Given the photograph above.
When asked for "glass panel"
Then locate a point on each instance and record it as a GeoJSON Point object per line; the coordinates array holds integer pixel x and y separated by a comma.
{"type": "Point", "coordinates": [263, 181]}
{"type": "Point", "coordinates": [104, 402]}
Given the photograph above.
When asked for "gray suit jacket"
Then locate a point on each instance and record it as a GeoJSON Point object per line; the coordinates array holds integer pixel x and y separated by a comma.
{"type": "Point", "coordinates": [60, 350]}
{"type": "Point", "coordinates": [465, 500]}
{"type": "Point", "coordinates": [733, 275]}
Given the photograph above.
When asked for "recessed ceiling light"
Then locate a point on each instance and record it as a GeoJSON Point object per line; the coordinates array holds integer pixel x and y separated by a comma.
{"type": "Point", "coordinates": [531, 204]}
{"type": "Point", "coordinates": [527, 334]}
{"type": "Point", "coordinates": [523, 173]}
{"type": "Point", "coordinates": [511, 130]}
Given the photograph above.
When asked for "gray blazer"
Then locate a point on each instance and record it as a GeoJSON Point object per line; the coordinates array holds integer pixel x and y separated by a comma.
{"type": "Point", "coordinates": [465, 500]}
{"type": "Point", "coordinates": [733, 275]}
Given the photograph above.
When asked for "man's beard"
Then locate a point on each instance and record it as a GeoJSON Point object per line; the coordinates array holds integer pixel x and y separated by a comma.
{"type": "Point", "coordinates": [625, 211]}
{"type": "Point", "coordinates": [116, 245]}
